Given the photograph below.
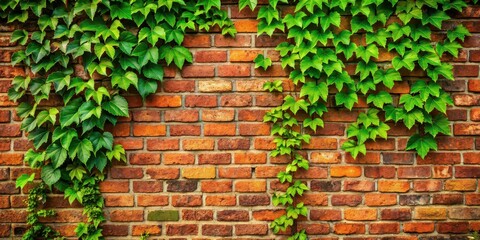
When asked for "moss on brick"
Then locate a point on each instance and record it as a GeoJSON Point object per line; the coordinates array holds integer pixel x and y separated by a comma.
{"type": "Point", "coordinates": [163, 215]}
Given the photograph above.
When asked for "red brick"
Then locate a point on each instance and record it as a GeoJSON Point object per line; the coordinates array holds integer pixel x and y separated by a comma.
{"type": "Point", "coordinates": [11, 159]}
{"type": "Point", "coordinates": [418, 227]}
{"type": "Point", "coordinates": [162, 144]}
{"type": "Point", "coordinates": [325, 215]}
{"type": "Point", "coordinates": [427, 186]}
{"type": "Point", "coordinates": [147, 186]}
{"type": "Point", "coordinates": [175, 86]}
{"type": "Point", "coordinates": [178, 158]}
{"type": "Point", "coordinates": [217, 230]}
{"type": "Point", "coordinates": [201, 101]}
{"type": "Point", "coordinates": [414, 172]}
{"type": "Point", "coordinates": [210, 56]}
{"type": "Point", "coordinates": [164, 101]}
{"type": "Point", "coordinates": [379, 199]}
{"type": "Point", "coordinates": [185, 130]}
{"type": "Point", "coordinates": [349, 228]}
{"type": "Point", "coordinates": [126, 215]}
{"type": "Point", "coordinates": [218, 115]}
{"type": "Point", "coordinates": [239, 41]}
{"type": "Point", "coordinates": [163, 173]}
{"type": "Point", "coordinates": [114, 186]}
{"type": "Point", "coordinates": [237, 70]}
{"type": "Point", "coordinates": [149, 130]}
{"type": "Point", "coordinates": [220, 200]}
{"type": "Point", "coordinates": [219, 129]}
{"type": "Point", "coordinates": [181, 115]}
{"type": "Point", "coordinates": [182, 229]}
{"type": "Point", "coordinates": [151, 200]}
{"type": "Point", "coordinates": [235, 172]}
{"type": "Point", "coordinates": [197, 40]}
{"type": "Point", "coordinates": [384, 228]}
{"type": "Point", "coordinates": [197, 215]}
{"type": "Point", "coordinates": [187, 200]}
{"type": "Point", "coordinates": [346, 200]}
{"type": "Point", "coordinates": [196, 71]}
{"type": "Point", "coordinates": [251, 229]}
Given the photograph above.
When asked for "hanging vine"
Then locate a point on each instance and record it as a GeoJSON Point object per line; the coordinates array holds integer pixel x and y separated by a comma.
{"type": "Point", "coordinates": [86, 53]}
{"type": "Point", "coordinates": [318, 51]}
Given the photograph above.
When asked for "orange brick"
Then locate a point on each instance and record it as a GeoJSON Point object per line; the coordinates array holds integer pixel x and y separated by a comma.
{"type": "Point", "coordinates": [345, 171]}
{"type": "Point", "coordinates": [461, 185]}
{"type": "Point", "coordinates": [360, 214]}
{"type": "Point", "coordinates": [219, 129]}
{"type": "Point", "coordinates": [215, 86]}
{"type": "Point", "coordinates": [250, 158]}
{"type": "Point", "coordinates": [149, 130]}
{"type": "Point", "coordinates": [379, 199]}
{"type": "Point", "coordinates": [246, 26]}
{"type": "Point", "coordinates": [221, 200]}
{"type": "Point", "coordinates": [393, 186]}
{"type": "Point", "coordinates": [430, 213]}
{"type": "Point", "coordinates": [198, 144]}
{"type": "Point", "coordinates": [199, 172]}
{"type": "Point", "coordinates": [244, 55]}
{"type": "Point", "coordinates": [251, 186]}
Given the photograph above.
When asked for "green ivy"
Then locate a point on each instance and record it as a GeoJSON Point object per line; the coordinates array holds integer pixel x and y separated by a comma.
{"type": "Point", "coordinates": [316, 54]}
{"type": "Point", "coordinates": [119, 45]}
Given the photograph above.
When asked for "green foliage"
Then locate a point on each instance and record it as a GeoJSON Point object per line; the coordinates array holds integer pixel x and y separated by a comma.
{"type": "Point", "coordinates": [317, 50]}
{"type": "Point", "coordinates": [127, 42]}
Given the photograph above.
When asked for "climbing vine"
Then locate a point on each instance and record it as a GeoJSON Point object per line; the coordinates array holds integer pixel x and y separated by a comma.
{"type": "Point", "coordinates": [84, 54]}
{"type": "Point", "coordinates": [325, 37]}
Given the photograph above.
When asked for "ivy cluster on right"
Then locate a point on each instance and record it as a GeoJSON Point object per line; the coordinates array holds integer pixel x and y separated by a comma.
{"type": "Point", "coordinates": [325, 37]}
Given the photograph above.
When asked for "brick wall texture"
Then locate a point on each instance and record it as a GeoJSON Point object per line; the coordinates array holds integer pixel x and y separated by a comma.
{"type": "Point", "coordinates": [198, 164]}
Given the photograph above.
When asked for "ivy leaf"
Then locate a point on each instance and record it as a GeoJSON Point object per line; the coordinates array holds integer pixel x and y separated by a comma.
{"type": "Point", "coordinates": [333, 18]}
{"type": "Point", "coordinates": [439, 103]}
{"type": "Point", "coordinates": [399, 31]}
{"type": "Point", "coordinates": [379, 37]}
{"type": "Point", "coordinates": [347, 50]}
{"type": "Point", "coordinates": [313, 123]}
{"type": "Point", "coordinates": [76, 172]}
{"type": "Point", "coordinates": [446, 70]}
{"type": "Point", "coordinates": [177, 54]}
{"type": "Point", "coordinates": [263, 27]}
{"type": "Point", "coordinates": [23, 180]}
{"type": "Point", "coordinates": [314, 91]}
{"type": "Point", "coordinates": [268, 13]}
{"type": "Point", "coordinates": [124, 79]}
{"type": "Point", "coordinates": [458, 33]}
{"type": "Point", "coordinates": [20, 36]}
{"type": "Point", "coordinates": [343, 37]}
{"type": "Point", "coordinates": [450, 47]}
{"type": "Point", "coordinates": [348, 99]}
{"type": "Point", "coordinates": [146, 87]}
{"type": "Point", "coordinates": [428, 59]}
{"type": "Point", "coordinates": [387, 77]}
{"type": "Point", "coordinates": [366, 69]}
{"type": "Point", "coordinates": [366, 85]}
{"type": "Point", "coordinates": [408, 61]}
{"type": "Point", "coordinates": [380, 130]}
{"type": "Point", "coordinates": [293, 20]}
{"type": "Point", "coordinates": [99, 140]}
{"type": "Point", "coordinates": [117, 106]}
{"type": "Point", "coordinates": [87, 109]}
{"type": "Point", "coordinates": [359, 23]}
{"type": "Point", "coordinates": [340, 79]}
{"type": "Point", "coordinates": [419, 31]}
{"type": "Point", "coordinates": [57, 154]}
{"type": "Point", "coordinates": [435, 18]}
{"type": "Point", "coordinates": [380, 99]}
{"type": "Point", "coordinates": [409, 101]}
{"type": "Point", "coordinates": [39, 137]}
{"type": "Point", "coordinates": [117, 153]}
{"type": "Point", "coordinates": [50, 175]}
{"type": "Point", "coordinates": [309, 5]}
{"type": "Point", "coordinates": [145, 54]}
{"type": "Point", "coordinates": [120, 10]}
{"type": "Point", "coordinates": [368, 52]}
{"type": "Point", "coordinates": [409, 118]}
{"type": "Point", "coordinates": [293, 105]}
{"type": "Point", "coordinates": [422, 144]}
{"type": "Point", "coordinates": [126, 42]}
{"type": "Point", "coordinates": [352, 147]}
{"type": "Point", "coordinates": [262, 61]}
{"type": "Point", "coordinates": [83, 150]}
{"type": "Point", "coordinates": [440, 124]}
{"type": "Point", "coordinates": [426, 90]}
{"type": "Point", "coordinates": [69, 114]}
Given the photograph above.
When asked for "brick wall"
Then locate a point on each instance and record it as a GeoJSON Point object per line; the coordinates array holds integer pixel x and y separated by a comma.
{"type": "Point", "coordinates": [198, 165]}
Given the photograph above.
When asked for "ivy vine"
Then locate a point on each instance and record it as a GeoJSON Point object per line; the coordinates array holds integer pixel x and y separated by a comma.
{"type": "Point", "coordinates": [85, 53]}
{"type": "Point", "coordinates": [317, 51]}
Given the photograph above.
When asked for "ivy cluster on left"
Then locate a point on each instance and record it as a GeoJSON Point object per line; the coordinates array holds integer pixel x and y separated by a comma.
{"type": "Point", "coordinates": [117, 45]}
